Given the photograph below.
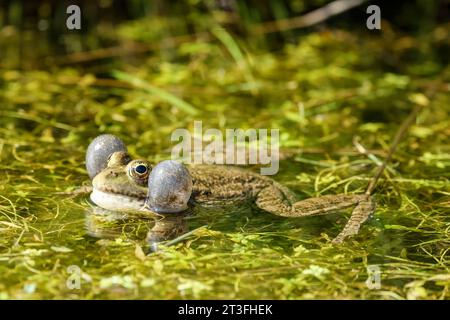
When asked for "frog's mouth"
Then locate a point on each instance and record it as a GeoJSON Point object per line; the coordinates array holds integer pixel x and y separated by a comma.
{"type": "Point", "coordinates": [116, 201]}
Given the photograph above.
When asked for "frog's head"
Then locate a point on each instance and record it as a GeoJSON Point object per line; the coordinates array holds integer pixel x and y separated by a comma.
{"type": "Point", "coordinates": [122, 185]}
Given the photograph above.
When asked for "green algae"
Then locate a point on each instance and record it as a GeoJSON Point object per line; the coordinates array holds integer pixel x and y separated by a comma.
{"type": "Point", "coordinates": [320, 93]}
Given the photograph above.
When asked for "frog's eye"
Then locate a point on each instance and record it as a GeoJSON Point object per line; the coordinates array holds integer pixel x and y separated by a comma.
{"type": "Point", "coordinates": [141, 169]}
{"type": "Point", "coordinates": [138, 170]}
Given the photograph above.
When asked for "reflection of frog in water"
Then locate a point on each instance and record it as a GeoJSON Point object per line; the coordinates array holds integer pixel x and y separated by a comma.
{"type": "Point", "coordinates": [122, 185]}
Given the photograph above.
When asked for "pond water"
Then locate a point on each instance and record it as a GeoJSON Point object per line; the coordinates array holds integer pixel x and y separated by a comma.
{"type": "Point", "coordinates": [320, 94]}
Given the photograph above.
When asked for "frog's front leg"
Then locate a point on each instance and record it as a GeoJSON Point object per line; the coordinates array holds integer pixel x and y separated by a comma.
{"type": "Point", "coordinates": [275, 201]}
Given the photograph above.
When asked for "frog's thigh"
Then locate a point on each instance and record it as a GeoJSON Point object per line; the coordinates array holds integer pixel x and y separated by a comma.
{"type": "Point", "coordinates": [272, 199]}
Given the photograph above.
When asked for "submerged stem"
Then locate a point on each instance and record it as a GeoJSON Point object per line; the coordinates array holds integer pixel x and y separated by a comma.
{"type": "Point", "coordinates": [398, 136]}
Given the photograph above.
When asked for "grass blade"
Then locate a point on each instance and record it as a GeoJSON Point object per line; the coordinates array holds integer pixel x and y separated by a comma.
{"type": "Point", "coordinates": [161, 93]}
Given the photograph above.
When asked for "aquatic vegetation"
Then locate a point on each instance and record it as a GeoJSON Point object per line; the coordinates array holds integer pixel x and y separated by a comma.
{"type": "Point", "coordinates": [321, 93]}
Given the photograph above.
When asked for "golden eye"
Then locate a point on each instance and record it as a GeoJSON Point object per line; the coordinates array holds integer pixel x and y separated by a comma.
{"type": "Point", "coordinates": [138, 170]}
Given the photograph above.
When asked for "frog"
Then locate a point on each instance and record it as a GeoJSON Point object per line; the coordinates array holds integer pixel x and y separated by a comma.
{"type": "Point", "coordinates": [120, 183]}
{"type": "Point", "coordinates": [123, 186]}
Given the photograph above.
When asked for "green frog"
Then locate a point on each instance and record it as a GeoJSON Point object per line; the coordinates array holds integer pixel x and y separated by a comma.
{"type": "Point", "coordinates": [122, 186]}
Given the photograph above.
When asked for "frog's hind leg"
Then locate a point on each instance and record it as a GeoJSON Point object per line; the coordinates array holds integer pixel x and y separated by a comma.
{"type": "Point", "coordinates": [360, 213]}
{"type": "Point", "coordinates": [274, 200]}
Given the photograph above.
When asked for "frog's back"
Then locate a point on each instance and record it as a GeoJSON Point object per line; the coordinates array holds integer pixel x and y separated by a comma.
{"type": "Point", "coordinates": [215, 184]}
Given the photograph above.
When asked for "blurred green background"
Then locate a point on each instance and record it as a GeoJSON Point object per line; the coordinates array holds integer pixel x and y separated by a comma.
{"type": "Point", "coordinates": [40, 25]}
